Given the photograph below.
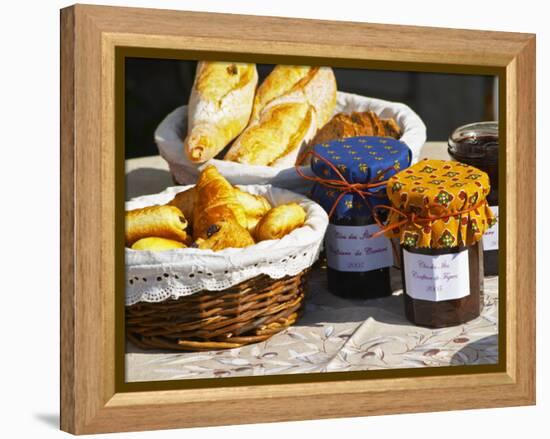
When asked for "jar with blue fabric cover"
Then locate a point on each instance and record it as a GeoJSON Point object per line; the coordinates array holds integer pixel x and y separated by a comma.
{"type": "Point", "coordinates": [350, 181]}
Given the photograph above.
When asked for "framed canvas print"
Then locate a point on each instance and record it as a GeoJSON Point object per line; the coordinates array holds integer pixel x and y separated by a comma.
{"type": "Point", "coordinates": [269, 219]}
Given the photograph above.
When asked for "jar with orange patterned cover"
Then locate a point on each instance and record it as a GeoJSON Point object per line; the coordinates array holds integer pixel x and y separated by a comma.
{"type": "Point", "coordinates": [439, 213]}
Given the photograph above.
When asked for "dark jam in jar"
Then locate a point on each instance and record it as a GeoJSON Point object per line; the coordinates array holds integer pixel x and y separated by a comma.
{"type": "Point", "coordinates": [355, 276]}
{"type": "Point", "coordinates": [350, 184]}
{"type": "Point", "coordinates": [457, 301]}
{"type": "Point", "coordinates": [477, 145]}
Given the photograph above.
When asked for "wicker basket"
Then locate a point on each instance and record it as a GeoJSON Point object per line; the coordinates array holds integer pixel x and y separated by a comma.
{"type": "Point", "coordinates": [193, 299]}
{"type": "Point", "coordinates": [249, 312]}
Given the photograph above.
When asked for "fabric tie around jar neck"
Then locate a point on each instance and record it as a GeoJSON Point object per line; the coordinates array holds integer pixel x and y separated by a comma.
{"type": "Point", "coordinates": [350, 174]}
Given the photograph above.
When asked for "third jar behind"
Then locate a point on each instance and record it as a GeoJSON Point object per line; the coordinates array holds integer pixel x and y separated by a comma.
{"type": "Point", "coordinates": [477, 144]}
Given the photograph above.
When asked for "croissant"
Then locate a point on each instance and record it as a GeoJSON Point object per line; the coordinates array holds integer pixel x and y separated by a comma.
{"type": "Point", "coordinates": [218, 218]}
{"type": "Point", "coordinates": [255, 206]}
{"type": "Point", "coordinates": [223, 232]}
{"type": "Point", "coordinates": [185, 201]}
{"type": "Point", "coordinates": [156, 244]}
{"type": "Point", "coordinates": [289, 107]}
{"type": "Point", "coordinates": [280, 221]}
{"type": "Point", "coordinates": [219, 107]}
{"type": "Point", "coordinates": [159, 221]}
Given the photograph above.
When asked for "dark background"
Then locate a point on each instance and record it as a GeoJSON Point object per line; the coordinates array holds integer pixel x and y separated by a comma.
{"type": "Point", "coordinates": [155, 87]}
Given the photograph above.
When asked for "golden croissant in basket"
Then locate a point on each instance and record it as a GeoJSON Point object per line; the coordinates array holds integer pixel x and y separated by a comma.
{"type": "Point", "coordinates": [212, 215]}
{"type": "Point", "coordinates": [255, 206]}
{"type": "Point", "coordinates": [156, 221]}
{"type": "Point", "coordinates": [219, 220]}
{"type": "Point", "coordinates": [280, 221]}
{"type": "Point", "coordinates": [157, 244]}
{"type": "Point", "coordinates": [223, 232]}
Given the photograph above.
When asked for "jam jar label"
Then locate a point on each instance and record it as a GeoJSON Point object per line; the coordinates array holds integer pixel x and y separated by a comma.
{"type": "Point", "coordinates": [352, 248]}
{"type": "Point", "coordinates": [436, 278]}
{"type": "Point", "coordinates": [490, 237]}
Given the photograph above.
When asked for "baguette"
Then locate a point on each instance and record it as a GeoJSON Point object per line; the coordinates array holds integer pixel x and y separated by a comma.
{"type": "Point", "coordinates": [289, 107]}
{"type": "Point", "coordinates": [219, 107]}
{"type": "Point", "coordinates": [281, 129]}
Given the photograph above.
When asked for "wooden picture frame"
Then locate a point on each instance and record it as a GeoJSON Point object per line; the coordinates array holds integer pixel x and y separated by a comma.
{"type": "Point", "coordinates": [91, 401]}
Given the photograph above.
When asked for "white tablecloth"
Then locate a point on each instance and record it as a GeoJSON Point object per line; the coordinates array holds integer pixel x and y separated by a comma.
{"type": "Point", "coordinates": [334, 334]}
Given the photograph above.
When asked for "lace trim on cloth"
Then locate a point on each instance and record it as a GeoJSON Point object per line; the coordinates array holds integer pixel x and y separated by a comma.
{"type": "Point", "coordinates": [157, 276]}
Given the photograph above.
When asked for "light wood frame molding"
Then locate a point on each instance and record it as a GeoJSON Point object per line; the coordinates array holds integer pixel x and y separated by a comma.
{"type": "Point", "coordinates": [90, 402]}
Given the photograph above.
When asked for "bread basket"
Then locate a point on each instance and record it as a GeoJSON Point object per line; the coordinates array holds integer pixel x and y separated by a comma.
{"type": "Point", "coordinates": [173, 128]}
{"type": "Point", "coordinates": [193, 299]}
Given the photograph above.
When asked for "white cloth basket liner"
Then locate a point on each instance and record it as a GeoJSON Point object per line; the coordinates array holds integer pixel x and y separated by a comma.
{"type": "Point", "coordinates": [157, 276]}
{"type": "Point", "coordinates": [173, 128]}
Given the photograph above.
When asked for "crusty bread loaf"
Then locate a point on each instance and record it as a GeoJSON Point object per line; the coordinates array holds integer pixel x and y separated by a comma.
{"type": "Point", "coordinates": [289, 106]}
{"type": "Point", "coordinates": [391, 128]}
{"type": "Point", "coordinates": [219, 107]}
{"type": "Point", "coordinates": [367, 123]}
{"type": "Point", "coordinates": [319, 89]}
{"type": "Point", "coordinates": [278, 83]}
{"type": "Point", "coordinates": [281, 129]}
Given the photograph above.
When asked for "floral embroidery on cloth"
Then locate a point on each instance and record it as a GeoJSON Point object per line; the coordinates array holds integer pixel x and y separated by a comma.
{"type": "Point", "coordinates": [444, 189]}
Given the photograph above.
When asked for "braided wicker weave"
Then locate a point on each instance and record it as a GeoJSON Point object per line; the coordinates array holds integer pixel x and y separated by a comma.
{"type": "Point", "coordinates": [249, 312]}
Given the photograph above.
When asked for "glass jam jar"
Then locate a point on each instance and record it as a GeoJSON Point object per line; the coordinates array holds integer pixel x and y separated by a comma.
{"type": "Point", "coordinates": [440, 213]}
{"type": "Point", "coordinates": [477, 144]}
{"type": "Point", "coordinates": [363, 274]}
{"type": "Point", "coordinates": [459, 303]}
{"type": "Point", "coordinates": [358, 264]}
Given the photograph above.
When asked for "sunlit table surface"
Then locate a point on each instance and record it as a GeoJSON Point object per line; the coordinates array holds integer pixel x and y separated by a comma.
{"type": "Point", "coordinates": [334, 334]}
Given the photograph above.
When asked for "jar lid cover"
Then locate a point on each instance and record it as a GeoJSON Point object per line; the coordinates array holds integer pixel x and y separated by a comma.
{"type": "Point", "coordinates": [358, 160]}
{"type": "Point", "coordinates": [439, 204]}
